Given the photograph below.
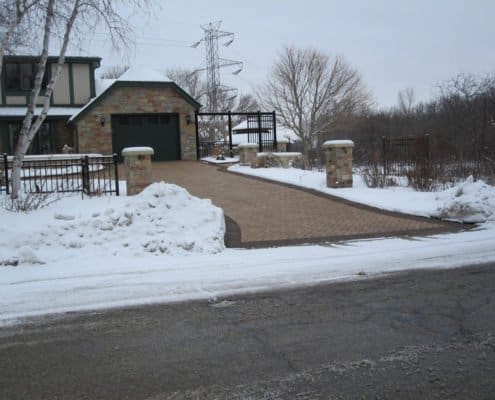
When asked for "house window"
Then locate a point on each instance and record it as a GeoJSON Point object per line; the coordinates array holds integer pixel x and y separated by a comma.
{"type": "Point", "coordinates": [41, 144]}
{"type": "Point", "coordinates": [21, 76]}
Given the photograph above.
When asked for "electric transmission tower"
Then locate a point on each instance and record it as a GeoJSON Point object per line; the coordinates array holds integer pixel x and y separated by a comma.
{"type": "Point", "coordinates": [211, 37]}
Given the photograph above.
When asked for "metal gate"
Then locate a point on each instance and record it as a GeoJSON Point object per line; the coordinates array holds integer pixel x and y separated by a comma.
{"type": "Point", "coordinates": [216, 133]}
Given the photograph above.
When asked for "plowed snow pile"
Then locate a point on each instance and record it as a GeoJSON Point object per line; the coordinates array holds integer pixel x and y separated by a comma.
{"type": "Point", "coordinates": [163, 219]}
{"type": "Point", "coordinates": [467, 202]}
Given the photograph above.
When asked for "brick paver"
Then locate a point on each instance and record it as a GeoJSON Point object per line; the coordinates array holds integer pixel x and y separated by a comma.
{"type": "Point", "coordinates": [270, 214]}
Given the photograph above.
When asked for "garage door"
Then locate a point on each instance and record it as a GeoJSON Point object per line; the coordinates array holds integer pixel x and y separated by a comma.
{"type": "Point", "coordinates": [160, 131]}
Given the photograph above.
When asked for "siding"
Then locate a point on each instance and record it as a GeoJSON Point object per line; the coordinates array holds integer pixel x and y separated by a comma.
{"type": "Point", "coordinates": [82, 83]}
{"type": "Point", "coordinates": [61, 91]}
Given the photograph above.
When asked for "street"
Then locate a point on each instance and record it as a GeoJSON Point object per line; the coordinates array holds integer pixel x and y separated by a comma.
{"type": "Point", "coordinates": [419, 334]}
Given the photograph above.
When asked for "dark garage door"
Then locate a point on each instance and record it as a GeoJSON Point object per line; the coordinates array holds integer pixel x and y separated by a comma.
{"type": "Point", "coordinates": [160, 131]}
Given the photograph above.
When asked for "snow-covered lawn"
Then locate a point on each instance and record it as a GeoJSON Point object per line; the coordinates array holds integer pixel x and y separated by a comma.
{"type": "Point", "coordinates": [165, 245]}
{"type": "Point", "coordinates": [469, 202]}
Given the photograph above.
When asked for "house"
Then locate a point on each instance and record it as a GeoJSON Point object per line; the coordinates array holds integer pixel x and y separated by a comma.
{"type": "Point", "coordinates": [141, 108]}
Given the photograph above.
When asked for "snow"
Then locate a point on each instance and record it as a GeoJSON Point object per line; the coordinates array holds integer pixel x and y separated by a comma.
{"type": "Point", "coordinates": [143, 74]}
{"type": "Point", "coordinates": [88, 282]}
{"type": "Point", "coordinates": [282, 132]}
{"type": "Point", "coordinates": [102, 84]}
{"type": "Point", "coordinates": [469, 202]}
{"type": "Point", "coordinates": [165, 245]}
{"type": "Point", "coordinates": [163, 219]}
{"type": "Point", "coordinates": [52, 112]}
{"type": "Point", "coordinates": [279, 154]}
{"type": "Point", "coordinates": [225, 160]}
{"type": "Point", "coordinates": [338, 143]}
{"type": "Point", "coordinates": [55, 157]}
{"type": "Point", "coordinates": [137, 150]}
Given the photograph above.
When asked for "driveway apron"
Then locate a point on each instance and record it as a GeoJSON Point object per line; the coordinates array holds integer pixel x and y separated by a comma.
{"type": "Point", "coordinates": [260, 213]}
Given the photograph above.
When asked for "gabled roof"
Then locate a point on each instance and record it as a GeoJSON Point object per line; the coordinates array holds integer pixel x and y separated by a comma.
{"type": "Point", "coordinates": [134, 77]}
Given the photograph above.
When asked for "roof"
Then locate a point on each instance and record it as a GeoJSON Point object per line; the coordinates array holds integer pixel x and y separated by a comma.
{"type": "Point", "coordinates": [282, 132]}
{"type": "Point", "coordinates": [53, 59]}
{"type": "Point", "coordinates": [134, 77]}
{"type": "Point", "coordinates": [10, 111]}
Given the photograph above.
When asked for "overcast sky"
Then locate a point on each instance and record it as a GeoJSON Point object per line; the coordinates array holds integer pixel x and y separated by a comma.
{"type": "Point", "coordinates": [393, 44]}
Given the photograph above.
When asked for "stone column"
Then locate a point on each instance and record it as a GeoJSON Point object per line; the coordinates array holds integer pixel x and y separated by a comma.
{"type": "Point", "coordinates": [137, 165]}
{"type": "Point", "coordinates": [247, 153]}
{"type": "Point", "coordinates": [338, 155]}
{"type": "Point", "coordinates": [282, 145]}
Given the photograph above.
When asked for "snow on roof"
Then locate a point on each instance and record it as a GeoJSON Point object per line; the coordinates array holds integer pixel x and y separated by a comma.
{"type": "Point", "coordinates": [143, 74]}
{"type": "Point", "coordinates": [52, 112]}
{"type": "Point", "coordinates": [133, 74]}
{"type": "Point", "coordinates": [282, 132]}
{"type": "Point", "coordinates": [102, 84]}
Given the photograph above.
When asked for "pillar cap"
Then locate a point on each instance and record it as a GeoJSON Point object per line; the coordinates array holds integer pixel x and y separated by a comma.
{"type": "Point", "coordinates": [248, 146]}
{"type": "Point", "coordinates": [338, 143]}
{"type": "Point", "coordinates": [137, 151]}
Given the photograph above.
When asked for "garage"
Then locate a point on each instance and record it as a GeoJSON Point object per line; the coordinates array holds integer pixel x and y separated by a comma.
{"type": "Point", "coordinates": [159, 131]}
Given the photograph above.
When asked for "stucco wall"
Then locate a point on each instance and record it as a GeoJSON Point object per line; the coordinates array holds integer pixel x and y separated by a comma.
{"type": "Point", "coordinates": [61, 90]}
{"type": "Point", "coordinates": [93, 137]}
{"type": "Point", "coordinates": [82, 83]}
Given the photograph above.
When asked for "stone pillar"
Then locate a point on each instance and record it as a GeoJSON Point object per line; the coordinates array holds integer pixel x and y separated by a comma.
{"type": "Point", "coordinates": [338, 155]}
{"type": "Point", "coordinates": [137, 165]}
{"type": "Point", "coordinates": [247, 153]}
{"type": "Point", "coordinates": [282, 145]}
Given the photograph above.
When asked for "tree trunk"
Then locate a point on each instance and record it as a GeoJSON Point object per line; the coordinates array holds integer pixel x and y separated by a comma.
{"type": "Point", "coordinates": [29, 129]}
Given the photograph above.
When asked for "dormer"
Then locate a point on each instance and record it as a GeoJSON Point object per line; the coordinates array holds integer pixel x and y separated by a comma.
{"type": "Point", "coordinates": [75, 86]}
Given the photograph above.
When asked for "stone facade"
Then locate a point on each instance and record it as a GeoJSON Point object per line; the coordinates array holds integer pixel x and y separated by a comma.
{"type": "Point", "coordinates": [137, 166]}
{"type": "Point", "coordinates": [282, 145]}
{"type": "Point", "coordinates": [338, 156]}
{"type": "Point", "coordinates": [277, 159]}
{"type": "Point", "coordinates": [95, 137]}
{"type": "Point", "coordinates": [247, 153]}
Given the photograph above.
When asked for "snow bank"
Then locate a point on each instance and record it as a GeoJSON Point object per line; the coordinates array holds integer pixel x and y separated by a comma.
{"type": "Point", "coordinates": [467, 202]}
{"type": "Point", "coordinates": [163, 219]}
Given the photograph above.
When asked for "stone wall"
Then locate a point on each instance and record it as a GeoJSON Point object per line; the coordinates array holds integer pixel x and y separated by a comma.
{"type": "Point", "coordinates": [93, 137]}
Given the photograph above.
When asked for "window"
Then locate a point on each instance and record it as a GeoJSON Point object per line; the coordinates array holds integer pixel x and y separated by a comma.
{"type": "Point", "coordinates": [21, 76]}
{"type": "Point", "coordinates": [41, 144]}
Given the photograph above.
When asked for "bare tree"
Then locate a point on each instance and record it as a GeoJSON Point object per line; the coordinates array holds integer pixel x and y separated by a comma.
{"type": "Point", "coordinates": [190, 81]}
{"type": "Point", "coordinates": [309, 90]}
{"type": "Point", "coordinates": [14, 24]}
{"type": "Point", "coordinates": [405, 101]}
{"type": "Point", "coordinates": [67, 19]}
{"type": "Point", "coordinates": [468, 101]}
{"type": "Point", "coordinates": [114, 72]}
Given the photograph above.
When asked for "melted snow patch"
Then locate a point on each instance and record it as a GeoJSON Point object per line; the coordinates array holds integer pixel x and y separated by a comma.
{"type": "Point", "coordinates": [470, 202]}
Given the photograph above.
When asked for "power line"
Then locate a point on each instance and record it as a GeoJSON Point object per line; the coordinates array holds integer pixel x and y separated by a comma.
{"type": "Point", "coordinates": [211, 37]}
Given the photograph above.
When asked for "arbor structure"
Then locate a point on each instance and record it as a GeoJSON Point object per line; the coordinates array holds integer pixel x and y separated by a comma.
{"type": "Point", "coordinates": [309, 90]}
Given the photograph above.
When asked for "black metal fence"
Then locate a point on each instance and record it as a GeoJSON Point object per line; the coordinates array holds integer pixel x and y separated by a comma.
{"type": "Point", "coordinates": [401, 155]}
{"type": "Point", "coordinates": [91, 175]}
{"type": "Point", "coordinates": [220, 132]}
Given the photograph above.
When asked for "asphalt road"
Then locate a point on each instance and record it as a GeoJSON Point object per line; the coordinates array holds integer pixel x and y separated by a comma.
{"type": "Point", "coordinates": [416, 335]}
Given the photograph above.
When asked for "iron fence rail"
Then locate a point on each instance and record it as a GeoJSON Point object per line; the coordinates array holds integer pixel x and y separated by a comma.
{"type": "Point", "coordinates": [91, 175]}
{"type": "Point", "coordinates": [258, 127]}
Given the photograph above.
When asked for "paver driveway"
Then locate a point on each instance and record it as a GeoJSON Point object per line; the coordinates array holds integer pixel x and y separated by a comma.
{"type": "Point", "coordinates": [267, 213]}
